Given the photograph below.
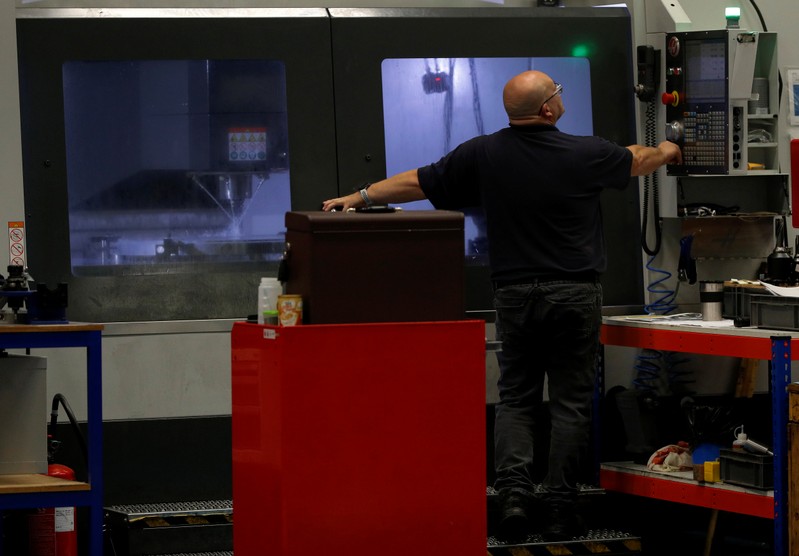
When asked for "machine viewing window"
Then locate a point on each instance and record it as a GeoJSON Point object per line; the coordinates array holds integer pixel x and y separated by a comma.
{"type": "Point", "coordinates": [430, 105]}
{"type": "Point", "coordinates": [175, 165]}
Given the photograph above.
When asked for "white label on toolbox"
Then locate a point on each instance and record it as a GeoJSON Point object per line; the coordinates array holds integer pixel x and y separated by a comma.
{"type": "Point", "coordinates": [64, 519]}
{"type": "Point", "coordinates": [270, 334]}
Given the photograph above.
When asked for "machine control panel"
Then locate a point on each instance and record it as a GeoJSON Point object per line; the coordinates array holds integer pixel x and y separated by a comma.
{"type": "Point", "coordinates": [697, 104]}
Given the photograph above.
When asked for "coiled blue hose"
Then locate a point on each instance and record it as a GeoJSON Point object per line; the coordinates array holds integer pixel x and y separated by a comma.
{"type": "Point", "coordinates": [647, 371]}
{"type": "Point", "coordinates": [652, 364]}
{"type": "Point", "coordinates": [664, 304]}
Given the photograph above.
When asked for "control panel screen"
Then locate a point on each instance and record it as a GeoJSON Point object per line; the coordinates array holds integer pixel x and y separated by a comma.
{"type": "Point", "coordinates": [706, 70]}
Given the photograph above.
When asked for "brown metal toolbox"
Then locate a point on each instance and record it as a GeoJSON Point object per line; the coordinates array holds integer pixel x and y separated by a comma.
{"type": "Point", "coordinates": [401, 266]}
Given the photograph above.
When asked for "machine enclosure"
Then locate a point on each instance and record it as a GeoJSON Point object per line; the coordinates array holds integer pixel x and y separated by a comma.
{"type": "Point", "coordinates": [23, 410]}
{"type": "Point", "coordinates": [403, 266]}
{"type": "Point", "coordinates": [336, 127]}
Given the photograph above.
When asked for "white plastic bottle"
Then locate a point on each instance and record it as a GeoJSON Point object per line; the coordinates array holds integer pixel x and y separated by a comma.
{"type": "Point", "coordinates": [268, 291]}
{"type": "Point", "coordinates": [740, 439]}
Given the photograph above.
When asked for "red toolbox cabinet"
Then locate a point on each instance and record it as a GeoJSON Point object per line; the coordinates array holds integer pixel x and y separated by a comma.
{"type": "Point", "coordinates": [359, 439]}
{"type": "Point", "coordinates": [404, 266]}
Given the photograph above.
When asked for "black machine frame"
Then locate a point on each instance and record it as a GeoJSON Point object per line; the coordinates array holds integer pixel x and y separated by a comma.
{"type": "Point", "coordinates": [335, 117]}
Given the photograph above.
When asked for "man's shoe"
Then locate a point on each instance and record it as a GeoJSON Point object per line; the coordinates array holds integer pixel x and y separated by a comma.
{"type": "Point", "coordinates": [514, 524]}
{"type": "Point", "coordinates": [564, 524]}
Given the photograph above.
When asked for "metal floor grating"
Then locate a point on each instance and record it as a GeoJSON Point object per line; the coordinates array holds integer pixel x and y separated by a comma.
{"type": "Point", "coordinates": [195, 554]}
{"type": "Point", "coordinates": [168, 509]}
{"type": "Point", "coordinates": [539, 489]}
{"type": "Point", "coordinates": [597, 541]}
{"type": "Point", "coordinates": [199, 528]}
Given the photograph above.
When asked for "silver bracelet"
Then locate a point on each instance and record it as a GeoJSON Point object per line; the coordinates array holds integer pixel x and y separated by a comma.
{"type": "Point", "coordinates": [365, 197]}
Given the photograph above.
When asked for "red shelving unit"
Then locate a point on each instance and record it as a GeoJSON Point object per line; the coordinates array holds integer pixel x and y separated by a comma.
{"type": "Point", "coordinates": [779, 348]}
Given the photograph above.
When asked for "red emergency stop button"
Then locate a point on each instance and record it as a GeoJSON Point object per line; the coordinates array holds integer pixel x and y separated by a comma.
{"type": "Point", "coordinates": [672, 98]}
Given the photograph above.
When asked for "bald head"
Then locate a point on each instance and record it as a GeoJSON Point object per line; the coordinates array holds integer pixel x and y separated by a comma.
{"type": "Point", "coordinates": [524, 96]}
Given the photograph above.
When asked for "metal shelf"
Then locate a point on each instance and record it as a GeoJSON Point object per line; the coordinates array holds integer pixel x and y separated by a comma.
{"type": "Point", "coordinates": [680, 487]}
{"type": "Point", "coordinates": [778, 347]}
{"type": "Point", "coordinates": [32, 491]}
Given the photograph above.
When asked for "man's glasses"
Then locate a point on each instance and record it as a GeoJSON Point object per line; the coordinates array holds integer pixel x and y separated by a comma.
{"type": "Point", "coordinates": [558, 91]}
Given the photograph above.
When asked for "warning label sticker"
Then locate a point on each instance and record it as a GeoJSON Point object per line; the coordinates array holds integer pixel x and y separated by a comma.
{"type": "Point", "coordinates": [16, 243]}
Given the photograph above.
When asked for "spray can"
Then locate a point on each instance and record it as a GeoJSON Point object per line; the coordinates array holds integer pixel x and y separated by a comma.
{"type": "Point", "coordinates": [268, 292]}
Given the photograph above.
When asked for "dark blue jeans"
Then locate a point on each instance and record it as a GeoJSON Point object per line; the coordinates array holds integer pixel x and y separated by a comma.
{"type": "Point", "coordinates": [547, 329]}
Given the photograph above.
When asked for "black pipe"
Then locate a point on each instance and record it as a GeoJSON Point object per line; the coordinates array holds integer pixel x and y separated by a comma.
{"type": "Point", "coordinates": [60, 398]}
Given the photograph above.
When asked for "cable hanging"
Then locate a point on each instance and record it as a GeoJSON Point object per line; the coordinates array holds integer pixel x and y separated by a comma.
{"type": "Point", "coordinates": [478, 112]}
{"type": "Point", "coordinates": [651, 183]}
{"type": "Point", "coordinates": [448, 102]}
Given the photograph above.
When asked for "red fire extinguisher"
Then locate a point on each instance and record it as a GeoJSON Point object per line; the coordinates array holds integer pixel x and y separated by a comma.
{"type": "Point", "coordinates": [52, 531]}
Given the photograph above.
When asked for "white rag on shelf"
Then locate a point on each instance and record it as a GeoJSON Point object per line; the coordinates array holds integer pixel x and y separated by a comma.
{"type": "Point", "coordinates": [671, 458]}
{"type": "Point", "coordinates": [681, 319]}
{"type": "Point", "coordinates": [784, 291]}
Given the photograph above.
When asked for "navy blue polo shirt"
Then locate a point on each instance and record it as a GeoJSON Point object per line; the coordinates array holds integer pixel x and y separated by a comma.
{"type": "Point", "coordinates": [540, 191]}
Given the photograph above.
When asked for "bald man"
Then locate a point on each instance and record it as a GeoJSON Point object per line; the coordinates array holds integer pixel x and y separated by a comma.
{"type": "Point", "coordinates": [540, 191]}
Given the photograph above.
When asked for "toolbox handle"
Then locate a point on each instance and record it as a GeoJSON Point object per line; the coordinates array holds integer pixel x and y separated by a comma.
{"type": "Point", "coordinates": [376, 209]}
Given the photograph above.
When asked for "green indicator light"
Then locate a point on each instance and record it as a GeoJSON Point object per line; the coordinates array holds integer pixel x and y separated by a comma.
{"type": "Point", "coordinates": [581, 50]}
{"type": "Point", "coordinates": [732, 15]}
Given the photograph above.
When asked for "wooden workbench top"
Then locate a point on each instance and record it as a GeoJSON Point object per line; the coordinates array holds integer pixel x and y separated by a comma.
{"type": "Point", "coordinates": [66, 327]}
{"type": "Point", "coordinates": [32, 482]}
